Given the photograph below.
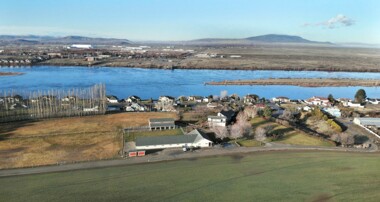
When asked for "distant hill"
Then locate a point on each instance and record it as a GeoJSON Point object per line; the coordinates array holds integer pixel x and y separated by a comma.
{"type": "Point", "coordinates": [269, 38]}
{"type": "Point", "coordinates": [276, 38]}
{"type": "Point", "coordinates": [33, 39]}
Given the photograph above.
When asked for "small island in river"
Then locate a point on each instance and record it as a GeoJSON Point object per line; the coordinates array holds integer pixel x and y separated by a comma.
{"type": "Point", "coordinates": [10, 73]}
{"type": "Point", "coordinates": [304, 82]}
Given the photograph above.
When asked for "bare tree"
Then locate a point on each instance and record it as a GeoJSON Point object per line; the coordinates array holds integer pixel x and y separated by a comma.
{"type": "Point", "coordinates": [343, 138]}
{"type": "Point", "coordinates": [287, 115]}
{"type": "Point", "coordinates": [223, 94]}
{"type": "Point", "coordinates": [261, 133]}
{"type": "Point", "coordinates": [346, 139]}
{"type": "Point", "coordinates": [251, 112]}
{"type": "Point", "coordinates": [221, 132]}
{"type": "Point", "coordinates": [242, 127]}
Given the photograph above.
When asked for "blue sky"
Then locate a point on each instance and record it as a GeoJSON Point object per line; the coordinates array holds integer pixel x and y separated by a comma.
{"type": "Point", "coordinates": [322, 20]}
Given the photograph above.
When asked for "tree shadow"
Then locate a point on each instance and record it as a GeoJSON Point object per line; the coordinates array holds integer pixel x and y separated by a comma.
{"type": "Point", "coordinates": [360, 139]}
{"type": "Point", "coordinates": [7, 128]}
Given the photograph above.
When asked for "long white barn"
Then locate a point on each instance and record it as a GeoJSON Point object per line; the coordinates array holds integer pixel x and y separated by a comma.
{"type": "Point", "coordinates": [194, 139]}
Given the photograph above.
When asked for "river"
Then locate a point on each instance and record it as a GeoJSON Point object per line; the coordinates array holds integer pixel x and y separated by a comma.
{"type": "Point", "coordinates": [151, 83]}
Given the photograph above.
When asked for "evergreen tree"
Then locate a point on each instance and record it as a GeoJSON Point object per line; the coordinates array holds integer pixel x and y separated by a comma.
{"type": "Point", "coordinates": [360, 96]}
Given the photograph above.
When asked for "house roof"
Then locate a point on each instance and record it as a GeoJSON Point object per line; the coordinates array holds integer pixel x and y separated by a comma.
{"type": "Point", "coordinates": [169, 97]}
{"type": "Point", "coordinates": [160, 120]}
{"type": "Point", "coordinates": [111, 97]}
{"type": "Point", "coordinates": [192, 137]}
{"type": "Point", "coordinates": [370, 121]}
{"type": "Point", "coordinates": [161, 140]}
{"type": "Point", "coordinates": [216, 117]}
{"type": "Point", "coordinates": [282, 97]}
{"type": "Point", "coordinates": [229, 114]}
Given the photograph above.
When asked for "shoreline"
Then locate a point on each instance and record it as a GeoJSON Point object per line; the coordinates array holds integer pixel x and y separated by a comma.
{"type": "Point", "coordinates": [303, 82]}
{"type": "Point", "coordinates": [317, 69]}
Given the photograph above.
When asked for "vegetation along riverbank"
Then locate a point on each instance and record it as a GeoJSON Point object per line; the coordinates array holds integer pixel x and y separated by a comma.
{"type": "Point", "coordinates": [304, 82]}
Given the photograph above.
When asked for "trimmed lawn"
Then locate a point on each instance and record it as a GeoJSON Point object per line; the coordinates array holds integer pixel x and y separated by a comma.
{"type": "Point", "coordinates": [132, 136]}
{"type": "Point", "coordinates": [250, 143]}
{"type": "Point", "coordinates": [301, 139]}
{"type": "Point", "coordinates": [290, 136]}
{"type": "Point", "coordinates": [263, 176]}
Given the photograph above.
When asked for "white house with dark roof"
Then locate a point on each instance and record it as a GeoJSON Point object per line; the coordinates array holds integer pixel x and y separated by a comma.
{"type": "Point", "coordinates": [221, 119]}
{"type": "Point", "coordinates": [194, 139]}
{"type": "Point", "coordinates": [281, 99]}
{"type": "Point", "coordinates": [112, 99]}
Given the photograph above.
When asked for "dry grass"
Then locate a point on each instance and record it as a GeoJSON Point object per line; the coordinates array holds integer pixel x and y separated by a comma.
{"type": "Point", "coordinates": [66, 139]}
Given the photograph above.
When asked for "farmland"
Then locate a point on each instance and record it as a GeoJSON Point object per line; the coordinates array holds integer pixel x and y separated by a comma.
{"type": "Point", "coordinates": [65, 140]}
{"type": "Point", "coordinates": [265, 176]}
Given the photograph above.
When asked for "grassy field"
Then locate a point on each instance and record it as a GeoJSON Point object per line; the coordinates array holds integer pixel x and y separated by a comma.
{"type": "Point", "coordinates": [290, 136]}
{"type": "Point", "coordinates": [132, 136]}
{"type": "Point", "coordinates": [265, 176]}
{"type": "Point", "coordinates": [62, 140]}
{"type": "Point", "coordinates": [250, 143]}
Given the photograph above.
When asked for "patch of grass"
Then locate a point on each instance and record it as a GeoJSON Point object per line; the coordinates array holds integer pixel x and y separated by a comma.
{"type": "Point", "coordinates": [288, 135]}
{"type": "Point", "coordinates": [264, 176]}
{"type": "Point", "coordinates": [250, 143]}
{"type": "Point", "coordinates": [296, 138]}
{"type": "Point", "coordinates": [132, 136]}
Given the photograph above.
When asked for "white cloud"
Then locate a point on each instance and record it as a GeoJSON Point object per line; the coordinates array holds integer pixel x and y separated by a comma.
{"type": "Point", "coordinates": [335, 22]}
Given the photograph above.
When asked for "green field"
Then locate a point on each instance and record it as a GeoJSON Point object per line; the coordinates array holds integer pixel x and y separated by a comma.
{"type": "Point", "coordinates": [289, 135]}
{"type": "Point", "coordinates": [264, 176]}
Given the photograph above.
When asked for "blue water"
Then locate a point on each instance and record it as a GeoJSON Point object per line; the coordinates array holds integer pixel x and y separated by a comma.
{"type": "Point", "coordinates": [151, 83]}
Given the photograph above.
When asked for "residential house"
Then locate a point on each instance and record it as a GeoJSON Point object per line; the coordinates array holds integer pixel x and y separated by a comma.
{"type": "Point", "coordinates": [281, 99]}
{"type": "Point", "coordinates": [223, 118]}
{"type": "Point", "coordinates": [112, 99]}
{"type": "Point", "coordinates": [136, 107]}
{"type": "Point", "coordinates": [166, 99]}
{"type": "Point", "coordinates": [213, 105]}
{"type": "Point", "coordinates": [352, 104]}
{"type": "Point", "coordinates": [166, 103]}
{"type": "Point", "coordinates": [194, 139]}
{"type": "Point", "coordinates": [333, 111]}
{"type": "Point", "coordinates": [318, 101]}
{"type": "Point", "coordinates": [195, 98]}
{"type": "Point", "coordinates": [133, 99]}
{"type": "Point", "coordinates": [250, 99]}
{"type": "Point", "coordinates": [374, 101]}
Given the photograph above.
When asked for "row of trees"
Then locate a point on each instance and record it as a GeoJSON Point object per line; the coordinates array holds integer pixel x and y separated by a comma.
{"type": "Point", "coordinates": [53, 103]}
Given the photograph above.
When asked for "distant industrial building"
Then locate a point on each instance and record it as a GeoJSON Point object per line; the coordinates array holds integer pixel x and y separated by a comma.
{"type": "Point", "coordinates": [80, 46]}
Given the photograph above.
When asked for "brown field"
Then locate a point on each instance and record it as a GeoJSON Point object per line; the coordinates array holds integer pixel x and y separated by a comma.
{"type": "Point", "coordinates": [66, 140]}
{"type": "Point", "coordinates": [255, 57]}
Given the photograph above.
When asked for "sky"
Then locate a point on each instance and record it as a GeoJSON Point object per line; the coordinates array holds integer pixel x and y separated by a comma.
{"type": "Point", "coordinates": [171, 20]}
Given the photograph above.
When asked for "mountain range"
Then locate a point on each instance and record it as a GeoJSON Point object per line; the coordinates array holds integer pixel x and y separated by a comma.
{"type": "Point", "coordinates": [35, 39]}
{"type": "Point", "coordinates": [263, 39]}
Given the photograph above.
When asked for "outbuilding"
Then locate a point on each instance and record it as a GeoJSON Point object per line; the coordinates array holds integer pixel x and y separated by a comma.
{"type": "Point", "coordinates": [194, 139]}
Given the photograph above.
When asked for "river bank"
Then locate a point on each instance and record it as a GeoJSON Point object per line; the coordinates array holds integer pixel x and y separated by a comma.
{"type": "Point", "coordinates": [303, 82]}
{"type": "Point", "coordinates": [249, 63]}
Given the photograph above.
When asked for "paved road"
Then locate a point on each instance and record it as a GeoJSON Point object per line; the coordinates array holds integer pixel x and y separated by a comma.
{"type": "Point", "coordinates": [172, 154]}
